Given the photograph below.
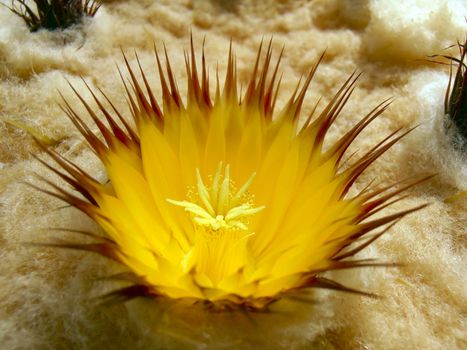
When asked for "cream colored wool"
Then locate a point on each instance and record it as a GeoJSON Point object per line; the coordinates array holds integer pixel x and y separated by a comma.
{"type": "Point", "coordinates": [46, 295]}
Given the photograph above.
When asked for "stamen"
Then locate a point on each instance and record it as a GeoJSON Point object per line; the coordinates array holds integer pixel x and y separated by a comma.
{"type": "Point", "coordinates": [244, 188]}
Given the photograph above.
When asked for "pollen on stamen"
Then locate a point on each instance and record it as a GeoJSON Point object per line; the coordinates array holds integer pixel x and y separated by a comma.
{"type": "Point", "coordinates": [218, 205]}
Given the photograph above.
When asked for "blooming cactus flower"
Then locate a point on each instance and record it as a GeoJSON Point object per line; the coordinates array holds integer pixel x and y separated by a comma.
{"type": "Point", "coordinates": [221, 199]}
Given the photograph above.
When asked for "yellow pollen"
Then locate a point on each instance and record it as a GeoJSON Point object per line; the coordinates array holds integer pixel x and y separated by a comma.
{"type": "Point", "coordinates": [218, 206]}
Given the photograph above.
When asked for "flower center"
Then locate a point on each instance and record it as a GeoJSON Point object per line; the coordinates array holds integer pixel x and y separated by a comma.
{"type": "Point", "coordinates": [218, 206]}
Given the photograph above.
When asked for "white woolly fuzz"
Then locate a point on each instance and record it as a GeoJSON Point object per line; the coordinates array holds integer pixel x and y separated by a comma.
{"type": "Point", "coordinates": [413, 29]}
{"type": "Point", "coordinates": [434, 134]}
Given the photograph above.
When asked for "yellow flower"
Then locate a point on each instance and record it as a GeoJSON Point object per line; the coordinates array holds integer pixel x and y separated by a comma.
{"type": "Point", "coordinates": [221, 199]}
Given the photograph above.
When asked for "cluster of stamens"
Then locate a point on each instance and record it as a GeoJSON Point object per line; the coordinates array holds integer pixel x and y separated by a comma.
{"type": "Point", "coordinates": [218, 206]}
